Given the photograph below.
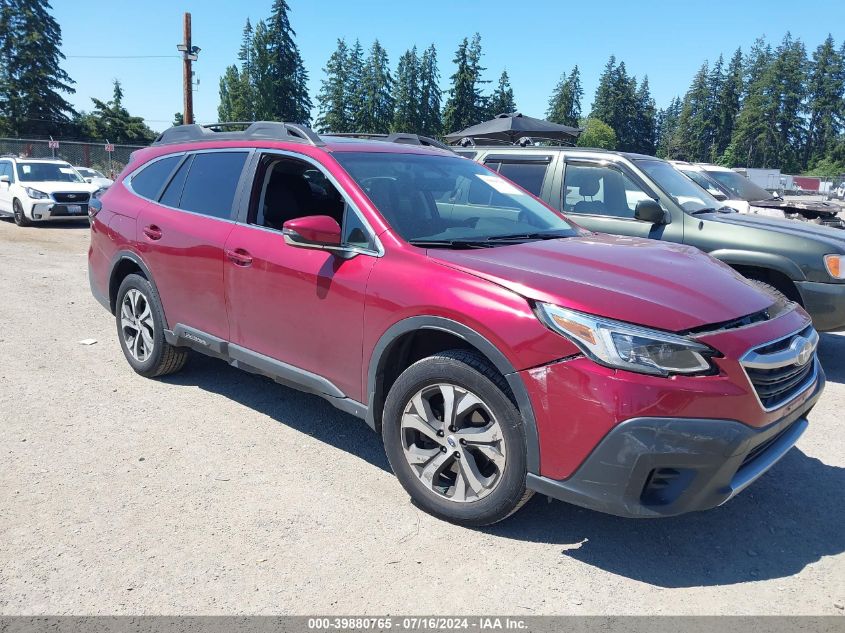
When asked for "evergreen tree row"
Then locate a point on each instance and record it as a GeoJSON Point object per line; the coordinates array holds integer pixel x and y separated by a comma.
{"type": "Point", "coordinates": [773, 107]}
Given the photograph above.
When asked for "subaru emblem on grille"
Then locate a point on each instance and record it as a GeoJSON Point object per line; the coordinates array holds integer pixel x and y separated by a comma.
{"type": "Point", "coordinates": [805, 353]}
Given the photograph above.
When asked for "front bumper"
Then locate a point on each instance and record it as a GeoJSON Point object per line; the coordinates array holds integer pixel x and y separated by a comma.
{"type": "Point", "coordinates": [653, 467]}
{"type": "Point", "coordinates": [49, 210]}
{"type": "Point", "coordinates": [825, 303]}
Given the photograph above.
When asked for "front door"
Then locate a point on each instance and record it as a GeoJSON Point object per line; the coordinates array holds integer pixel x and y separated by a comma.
{"type": "Point", "coordinates": [602, 196]}
{"type": "Point", "coordinates": [303, 307]}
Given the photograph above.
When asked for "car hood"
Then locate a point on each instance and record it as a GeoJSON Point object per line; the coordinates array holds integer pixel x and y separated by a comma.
{"type": "Point", "coordinates": [656, 284]}
{"type": "Point", "coordinates": [831, 236]}
{"type": "Point", "coordinates": [53, 187]}
{"type": "Point", "coordinates": [796, 206]}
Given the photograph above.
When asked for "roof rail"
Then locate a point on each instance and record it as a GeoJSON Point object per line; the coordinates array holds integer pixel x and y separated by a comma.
{"type": "Point", "coordinates": [254, 130]}
{"type": "Point", "coordinates": [396, 137]}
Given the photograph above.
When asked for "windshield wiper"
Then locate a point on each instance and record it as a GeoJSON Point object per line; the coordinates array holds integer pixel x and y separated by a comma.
{"type": "Point", "coordinates": [723, 209]}
{"type": "Point", "coordinates": [521, 237]}
{"type": "Point", "coordinates": [451, 243]}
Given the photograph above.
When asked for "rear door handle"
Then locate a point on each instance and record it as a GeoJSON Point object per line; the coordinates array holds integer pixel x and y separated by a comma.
{"type": "Point", "coordinates": [152, 232]}
{"type": "Point", "coordinates": [239, 257]}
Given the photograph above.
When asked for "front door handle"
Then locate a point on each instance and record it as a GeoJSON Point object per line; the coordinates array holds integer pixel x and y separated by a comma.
{"type": "Point", "coordinates": [239, 257]}
{"type": "Point", "coordinates": [152, 232]}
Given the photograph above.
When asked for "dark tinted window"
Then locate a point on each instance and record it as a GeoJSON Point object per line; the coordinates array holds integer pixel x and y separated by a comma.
{"type": "Point", "coordinates": [355, 233]}
{"type": "Point", "coordinates": [529, 176]}
{"type": "Point", "coordinates": [211, 183]}
{"type": "Point", "coordinates": [173, 193]}
{"type": "Point", "coordinates": [149, 181]}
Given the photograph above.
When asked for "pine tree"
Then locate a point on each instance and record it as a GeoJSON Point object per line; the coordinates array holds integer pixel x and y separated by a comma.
{"type": "Point", "coordinates": [715, 82]}
{"type": "Point", "coordinates": [465, 106]}
{"type": "Point", "coordinates": [616, 104]}
{"type": "Point", "coordinates": [261, 78]}
{"type": "Point", "coordinates": [355, 72]}
{"type": "Point", "coordinates": [825, 98]}
{"type": "Point", "coordinates": [565, 102]}
{"type": "Point", "coordinates": [32, 80]}
{"type": "Point", "coordinates": [244, 96]}
{"type": "Point", "coordinates": [692, 140]}
{"type": "Point", "coordinates": [110, 120]}
{"type": "Point", "coordinates": [333, 98]}
{"type": "Point", "coordinates": [288, 99]}
{"type": "Point", "coordinates": [667, 125]}
{"type": "Point", "coordinates": [645, 123]}
{"type": "Point", "coordinates": [789, 72]}
{"type": "Point", "coordinates": [377, 86]}
{"type": "Point", "coordinates": [430, 122]}
{"type": "Point", "coordinates": [406, 116]}
{"type": "Point", "coordinates": [502, 100]}
{"type": "Point", "coordinates": [727, 105]}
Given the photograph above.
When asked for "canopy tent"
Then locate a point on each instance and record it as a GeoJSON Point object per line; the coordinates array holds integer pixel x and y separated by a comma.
{"type": "Point", "coordinates": [513, 127]}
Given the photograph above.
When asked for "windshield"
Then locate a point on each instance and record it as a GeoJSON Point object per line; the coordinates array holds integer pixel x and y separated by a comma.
{"type": "Point", "coordinates": [740, 186]}
{"type": "Point", "coordinates": [442, 198]}
{"type": "Point", "coordinates": [47, 172]}
{"type": "Point", "coordinates": [688, 195]}
{"type": "Point", "coordinates": [705, 182]}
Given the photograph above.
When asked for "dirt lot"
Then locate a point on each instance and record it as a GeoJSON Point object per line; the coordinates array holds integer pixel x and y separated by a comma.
{"type": "Point", "coordinates": [218, 492]}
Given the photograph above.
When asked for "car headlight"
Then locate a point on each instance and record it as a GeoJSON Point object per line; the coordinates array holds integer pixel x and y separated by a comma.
{"type": "Point", "coordinates": [834, 266]}
{"type": "Point", "coordinates": [623, 346]}
{"type": "Point", "coordinates": [35, 194]}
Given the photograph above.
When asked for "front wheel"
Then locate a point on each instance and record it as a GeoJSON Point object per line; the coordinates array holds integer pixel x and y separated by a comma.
{"type": "Point", "coordinates": [20, 216]}
{"type": "Point", "coordinates": [455, 439]}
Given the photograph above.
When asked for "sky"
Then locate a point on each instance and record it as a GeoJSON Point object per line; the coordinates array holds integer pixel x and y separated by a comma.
{"type": "Point", "coordinates": [535, 40]}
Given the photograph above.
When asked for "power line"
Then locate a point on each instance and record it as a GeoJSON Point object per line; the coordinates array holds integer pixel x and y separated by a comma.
{"type": "Point", "coordinates": [121, 56]}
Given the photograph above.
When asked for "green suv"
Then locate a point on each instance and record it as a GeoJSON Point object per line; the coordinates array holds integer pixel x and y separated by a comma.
{"type": "Point", "coordinates": [643, 196]}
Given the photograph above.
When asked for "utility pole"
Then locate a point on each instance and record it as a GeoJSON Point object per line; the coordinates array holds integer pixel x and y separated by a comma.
{"type": "Point", "coordinates": [189, 55]}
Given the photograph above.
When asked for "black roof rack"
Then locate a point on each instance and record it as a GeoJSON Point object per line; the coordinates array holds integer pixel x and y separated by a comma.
{"type": "Point", "coordinates": [257, 130]}
{"type": "Point", "coordinates": [395, 137]}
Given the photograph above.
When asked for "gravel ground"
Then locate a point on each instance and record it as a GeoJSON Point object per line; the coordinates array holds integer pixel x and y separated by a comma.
{"type": "Point", "coordinates": [219, 492]}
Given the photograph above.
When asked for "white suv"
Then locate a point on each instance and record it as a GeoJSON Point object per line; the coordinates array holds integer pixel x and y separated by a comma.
{"type": "Point", "coordinates": [40, 189]}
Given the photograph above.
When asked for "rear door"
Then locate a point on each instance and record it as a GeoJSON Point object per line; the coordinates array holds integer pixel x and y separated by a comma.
{"type": "Point", "coordinates": [182, 232]}
{"type": "Point", "coordinates": [601, 195]}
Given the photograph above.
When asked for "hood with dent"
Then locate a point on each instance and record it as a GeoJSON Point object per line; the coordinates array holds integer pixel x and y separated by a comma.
{"type": "Point", "coordinates": [49, 186]}
{"type": "Point", "coordinates": [666, 286]}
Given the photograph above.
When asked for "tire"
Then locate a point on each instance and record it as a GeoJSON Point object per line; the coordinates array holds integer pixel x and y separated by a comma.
{"type": "Point", "coordinates": [771, 290]}
{"type": "Point", "coordinates": [19, 215]}
{"type": "Point", "coordinates": [138, 309]}
{"type": "Point", "coordinates": [467, 480]}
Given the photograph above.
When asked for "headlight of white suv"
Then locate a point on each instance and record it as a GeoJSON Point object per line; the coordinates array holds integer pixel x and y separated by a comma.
{"type": "Point", "coordinates": [35, 194]}
{"type": "Point", "coordinates": [625, 346]}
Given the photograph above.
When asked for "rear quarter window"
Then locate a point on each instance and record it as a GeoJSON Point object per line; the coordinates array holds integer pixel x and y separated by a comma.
{"type": "Point", "coordinates": [148, 182]}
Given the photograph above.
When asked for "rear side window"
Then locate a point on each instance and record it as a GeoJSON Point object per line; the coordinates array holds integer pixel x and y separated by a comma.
{"type": "Point", "coordinates": [149, 181]}
{"type": "Point", "coordinates": [529, 176]}
{"type": "Point", "coordinates": [211, 183]}
{"type": "Point", "coordinates": [173, 193]}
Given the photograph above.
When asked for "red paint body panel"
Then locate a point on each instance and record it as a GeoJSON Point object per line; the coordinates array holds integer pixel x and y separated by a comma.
{"type": "Point", "coordinates": [577, 402]}
{"type": "Point", "coordinates": [657, 284]}
{"type": "Point", "coordinates": [302, 306]}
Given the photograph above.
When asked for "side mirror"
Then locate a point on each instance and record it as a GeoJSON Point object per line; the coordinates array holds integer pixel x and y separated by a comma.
{"type": "Point", "coordinates": [650, 211]}
{"type": "Point", "coordinates": [313, 231]}
{"type": "Point", "coordinates": [5, 179]}
{"type": "Point", "coordinates": [89, 180]}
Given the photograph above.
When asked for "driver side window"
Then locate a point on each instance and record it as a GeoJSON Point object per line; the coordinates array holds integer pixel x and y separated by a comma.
{"type": "Point", "coordinates": [287, 189]}
{"type": "Point", "coordinates": [600, 190]}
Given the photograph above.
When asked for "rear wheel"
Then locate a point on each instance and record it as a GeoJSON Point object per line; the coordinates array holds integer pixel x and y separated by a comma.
{"type": "Point", "coordinates": [19, 215]}
{"type": "Point", "coordinates": [140, 327]}
{"type": "Point", "coordinates": [455, 439]}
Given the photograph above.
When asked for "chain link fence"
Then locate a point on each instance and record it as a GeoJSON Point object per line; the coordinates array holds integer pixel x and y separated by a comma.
{"type": "Point", "coordinates": [77, 153]}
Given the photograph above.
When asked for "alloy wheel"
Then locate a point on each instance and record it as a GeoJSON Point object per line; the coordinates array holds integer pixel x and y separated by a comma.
{"type": "Point", "coordinates": [136, 324]}
{"type": "Point", "coordinates": [453, 442]}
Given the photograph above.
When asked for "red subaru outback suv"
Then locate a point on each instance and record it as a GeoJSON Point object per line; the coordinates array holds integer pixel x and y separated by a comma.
{"type": "Point", "coordinates": [497, 347]}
